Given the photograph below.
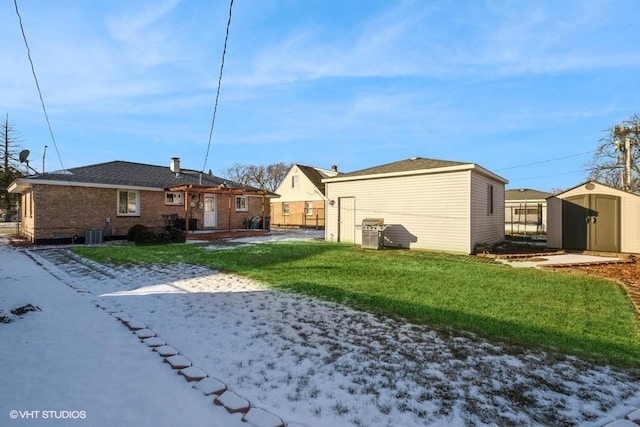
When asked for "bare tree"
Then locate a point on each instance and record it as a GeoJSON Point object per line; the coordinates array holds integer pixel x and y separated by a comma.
{"type": "Point", "coordinates": [619, 154]}
{"type": "Point", "coordinates": [266, 177]}
{"type": "Point", "coordinates": [238, 173]}
{"type": "Point", "coordinates": [9, 169]}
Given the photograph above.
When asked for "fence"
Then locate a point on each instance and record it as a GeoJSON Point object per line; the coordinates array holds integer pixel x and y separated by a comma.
{"type": "Point", "coordinates": [315, 220]}
{"type": "Point", "coordinates": [525, 218]}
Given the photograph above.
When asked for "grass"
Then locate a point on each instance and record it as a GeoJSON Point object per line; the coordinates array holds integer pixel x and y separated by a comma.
{"type": "Point", "coordinates": [578, 315]}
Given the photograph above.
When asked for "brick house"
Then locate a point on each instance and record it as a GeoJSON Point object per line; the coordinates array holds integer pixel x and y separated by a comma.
{"type": "Point", "coordinates": [300, 198]}
{"type": "Point", "coordinates": [110, 198]}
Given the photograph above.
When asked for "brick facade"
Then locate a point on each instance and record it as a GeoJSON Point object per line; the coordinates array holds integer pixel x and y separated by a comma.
{"type": "Point", "coordinates": [53, 212]}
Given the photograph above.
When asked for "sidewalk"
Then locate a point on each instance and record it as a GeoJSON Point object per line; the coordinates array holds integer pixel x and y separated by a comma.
{"type": "Point", "coordinates": [546, 260]}
{"type": "Point", "coordinates": [72, 363]}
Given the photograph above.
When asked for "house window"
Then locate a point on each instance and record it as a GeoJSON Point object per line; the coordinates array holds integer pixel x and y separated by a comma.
{"type": "Point", "coordinates": [308, 208]}
{"type": "Point", "coordinates": [128, 203]}
{"type": "Point", "coordinates": [295, 181]}
{"type": "Point", "coordinates": [490, 200]}
{"type": "Point", "coordinates": [241, 203]}
{"type": "Point", "coordinates": [285, 208]}
{"type": "Point", "coordinates": [173, 198]}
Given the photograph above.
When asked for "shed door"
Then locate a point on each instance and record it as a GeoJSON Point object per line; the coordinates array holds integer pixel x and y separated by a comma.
{"type": "Point", "coordinates": [346, 219]}
{"type": "Point", "coordinates": [575, 212]}
{"type": "Point", "coordinates": [591, 222]}
{"type": "Point", "coordinates": [604, 226]}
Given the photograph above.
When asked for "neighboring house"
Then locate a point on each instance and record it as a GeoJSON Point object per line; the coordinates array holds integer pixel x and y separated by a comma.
{"type": "Point", "coordinates": [425, 203]}
{"type": "Point", "coordinates": [301, 201]}
{"type": "Point", "coordinates": [594, 217]}
{"type": "Point", "coordinates": [525, 211]}
{"type": "Point", "coordinates": [111, 197]}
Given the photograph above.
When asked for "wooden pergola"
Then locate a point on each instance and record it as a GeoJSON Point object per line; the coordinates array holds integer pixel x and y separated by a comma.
{"type": "Point", "coordinates": [222, 189]}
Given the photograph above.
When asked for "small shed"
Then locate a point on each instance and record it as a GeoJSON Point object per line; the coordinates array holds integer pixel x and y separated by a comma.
{"type": "Point", "coordinates": [423, 203]}
{"type": "Point", "coordinates": [594, 217]}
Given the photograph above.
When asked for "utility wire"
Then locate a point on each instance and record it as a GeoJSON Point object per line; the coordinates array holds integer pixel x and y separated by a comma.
{"type": "Point", "coordinates": [547, 161]}
{"type": "Point", "coordinates": [33, 71]}
{"type": "Point", "coordinates": [215, 107]}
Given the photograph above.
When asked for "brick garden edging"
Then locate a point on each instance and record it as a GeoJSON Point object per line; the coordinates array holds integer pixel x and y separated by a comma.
{"type": "Point", "coordinates": [209, 386]}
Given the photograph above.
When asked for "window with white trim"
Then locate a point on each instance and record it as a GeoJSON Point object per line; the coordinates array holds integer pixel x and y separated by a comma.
{"type": "Point", "coordinates": [308, 208]}
{"type": "Point", "coordinates": [128, 203]}
{"type": "Point", "coordinates": [295, 181]}
{"type": "Point", "coordinates": [242, 204]}
{"type": "Point", "coordinates": [173, 198]}
{"type": "Point", "coordinates": [285, 208]}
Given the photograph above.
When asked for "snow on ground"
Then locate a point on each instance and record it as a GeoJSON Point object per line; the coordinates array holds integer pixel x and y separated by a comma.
{"type": "Point", "coordinates": [305, 360]}
{"type": "Point", "coordinates": [72, 364]}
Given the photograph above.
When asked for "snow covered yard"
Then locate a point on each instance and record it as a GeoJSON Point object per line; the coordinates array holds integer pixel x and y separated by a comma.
{"type": "Point", "coordinates": [308, 361]}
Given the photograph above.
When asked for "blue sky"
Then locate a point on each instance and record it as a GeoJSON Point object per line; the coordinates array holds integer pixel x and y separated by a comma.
{"type": "Point", "coordinates": [525, 89]}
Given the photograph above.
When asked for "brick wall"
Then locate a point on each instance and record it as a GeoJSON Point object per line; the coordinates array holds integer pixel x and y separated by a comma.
{"type": "Point", "coordinates": [60, 212]}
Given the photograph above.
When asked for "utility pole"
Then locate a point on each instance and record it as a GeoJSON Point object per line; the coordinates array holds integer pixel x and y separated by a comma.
{"type": "Point", "coordinates": [622, 142]}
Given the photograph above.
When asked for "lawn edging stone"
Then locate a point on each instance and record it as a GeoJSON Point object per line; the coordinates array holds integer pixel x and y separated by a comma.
{"type": "Point", "coordinates": [178, 361]}
{"type": "Point", "coordinates": [209, 386]}
{"type": "Point", "coordinates": [232, 402]}
{"type": "Point", "coordinates": [192, 374]}
{"type": "Point", "coordinates": [258, 417]}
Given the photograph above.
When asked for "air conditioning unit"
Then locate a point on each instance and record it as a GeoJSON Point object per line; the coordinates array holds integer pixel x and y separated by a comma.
{"type": "Point", "coordinates": [93, 237]}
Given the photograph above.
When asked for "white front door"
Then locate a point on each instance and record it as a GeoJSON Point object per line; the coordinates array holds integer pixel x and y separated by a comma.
{"type": "Point", "coordinates": [210, 217]}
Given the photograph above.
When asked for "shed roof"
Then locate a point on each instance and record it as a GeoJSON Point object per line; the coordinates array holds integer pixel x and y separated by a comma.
{"type": "Point", "coordinates": [525, 194]}
{"type": "Point", "coordinates": [410, 166]}
{"type": "Point", "coordinates": [595, 183]}
{"type": "Point", "coordinates": [414, 163]}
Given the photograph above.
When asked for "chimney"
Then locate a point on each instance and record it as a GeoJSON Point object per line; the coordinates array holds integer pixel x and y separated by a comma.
{"type": "Point", "coordinates": [175, 165]}
{"type": "Point", "coordinates": [334, 168]}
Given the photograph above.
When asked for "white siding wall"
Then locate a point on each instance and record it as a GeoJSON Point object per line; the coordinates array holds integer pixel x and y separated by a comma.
{"type": "Point", "coordinates": [630, 227]}
{"type": "Point", "coordinates": [487, 228]}
{"type": "Point", "coordinates": [306, 191]}
{"type": "Point", "coordinates": [425, 211]}
{"type": "Point", "coordinates": [554, 223]}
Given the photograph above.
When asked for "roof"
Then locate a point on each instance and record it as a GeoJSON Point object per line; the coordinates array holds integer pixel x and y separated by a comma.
{"type": "Point", "coordinates": [316, 175]}
{"type": "Point", "coordinates": [124, 174]}
{"type": "Point", "coordinates": [525, 194]}
{"type": "Point", "coordinates": [594, 182]}
{"type": "Point", "coordinates": [414, 163]}
{"type": "Point", "coordinates": [410, 166]}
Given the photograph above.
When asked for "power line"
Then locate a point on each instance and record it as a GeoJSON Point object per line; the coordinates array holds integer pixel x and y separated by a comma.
{"type": "Point", "coordinates": [215, 107]}
{"type": "Point", "coordinates": [33, 71]}
{"type": "Point", "coordinates": [547, 161]}
{"type": "Point", "coordinates": [546, 176]}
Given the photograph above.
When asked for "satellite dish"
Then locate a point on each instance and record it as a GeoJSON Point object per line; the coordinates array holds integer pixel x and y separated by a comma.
{"type": "Point", "coordinates": [24, 154]}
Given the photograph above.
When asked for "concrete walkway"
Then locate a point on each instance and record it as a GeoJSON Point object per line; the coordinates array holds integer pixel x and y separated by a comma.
{"type": "Point", "coordinates": [537, 260]}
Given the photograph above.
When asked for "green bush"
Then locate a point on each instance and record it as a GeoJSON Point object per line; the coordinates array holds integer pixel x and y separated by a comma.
{"type": "Point", "coordinates": [146, 237]}
{"type": "Point", "coordinates": [134, 231]}
{"type": "Point", "coordinates": [150, 237]}
{"type": "Point", "coordinates": [176, 235]}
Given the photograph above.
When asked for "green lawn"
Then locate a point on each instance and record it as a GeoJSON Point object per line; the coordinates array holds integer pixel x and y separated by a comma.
{"type": "Point", "coordinates": [573, 314]}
